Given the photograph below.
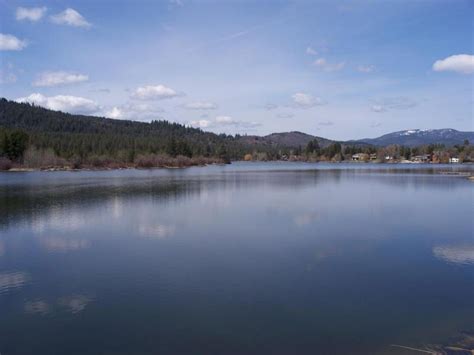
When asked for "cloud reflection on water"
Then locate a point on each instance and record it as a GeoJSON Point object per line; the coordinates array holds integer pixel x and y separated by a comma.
{"type": "Point", "coordinates": [74, 304]}
{"type": "Point", "coordinates": [37, 307]}
{"type": "Point", "coordinates": [159, 231]}
{"type": "Point", "coordinates": [461, 255]}
{"type": "Point", "coordinates": [11, 280]}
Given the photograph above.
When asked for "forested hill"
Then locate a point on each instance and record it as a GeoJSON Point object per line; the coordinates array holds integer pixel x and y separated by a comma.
{"type": "Point", "coordinates": [76, 135]}
{"type": "Point", "coordinates": [32, 136]}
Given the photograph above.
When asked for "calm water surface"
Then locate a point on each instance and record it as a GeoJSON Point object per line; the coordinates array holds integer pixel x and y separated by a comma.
{"type": "Point", "coordinates": [250, 258]}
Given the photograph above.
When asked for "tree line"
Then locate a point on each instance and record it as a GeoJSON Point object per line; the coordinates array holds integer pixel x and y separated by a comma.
{"type": "Point", "coordinates": [33, 136]}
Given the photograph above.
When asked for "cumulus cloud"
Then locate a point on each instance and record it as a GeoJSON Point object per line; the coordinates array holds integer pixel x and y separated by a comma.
{"type": "Point", "coordinates": [303, 100]}
{"type": "Point", "coordinates": [11, 43]}
{"type": "Point", "coordinates": [223, 121]}
{"type": "Point", "coordinates": [460, 63]}
{"type": "Point", "coordinates": [200, 105]}
{"type": "Point", "coordinates": [365, 68]}
{"type": "Point", "coordinates": [133, 111]}
{"type": "Point", "coordinates": [59, 78]}
{"type": "Point", "coordinates": [311, 51]}
{"type": "Point", "coordinates": [393, 103]}
{"type": "Point", "coordinates": [70, 17]}
{"type": "Point", "coordinates": [65, 103]}
{"type": "Point", "coordinates": [154, 92]}
{"type": "Point", "coordinates": [200, 123]}
{"type": "Point", "coordinates": [30, 13]}
{"type": "Point", "coordinates": [323, 64]}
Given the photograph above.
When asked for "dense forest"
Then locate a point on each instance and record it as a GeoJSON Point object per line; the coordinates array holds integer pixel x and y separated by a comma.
{"type": "Point", "coordinates": [35, 137]}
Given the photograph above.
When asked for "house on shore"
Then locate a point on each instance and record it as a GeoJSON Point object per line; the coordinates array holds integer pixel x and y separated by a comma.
{"type": "Point", "coordinates": [360, 157]}
{"type": "Point", "coordinates": [425, 158]}
{"type": "Point", "coordinates": [454, 160]}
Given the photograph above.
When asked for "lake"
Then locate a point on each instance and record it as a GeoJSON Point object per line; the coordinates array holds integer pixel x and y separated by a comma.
{"type": "Point", "coordinates": [249, 258]}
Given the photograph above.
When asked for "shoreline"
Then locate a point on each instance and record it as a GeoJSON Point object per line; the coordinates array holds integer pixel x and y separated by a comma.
{"type": "Point", "coordinates": [89, 168]}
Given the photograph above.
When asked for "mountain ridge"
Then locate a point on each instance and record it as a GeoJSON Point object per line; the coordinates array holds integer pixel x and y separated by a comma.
{"type": "Point", "coordinates": [29, 117]}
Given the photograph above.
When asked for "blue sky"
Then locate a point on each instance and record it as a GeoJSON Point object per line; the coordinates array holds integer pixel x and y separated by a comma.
{"type": "Point", "coordinates": [337, 69]}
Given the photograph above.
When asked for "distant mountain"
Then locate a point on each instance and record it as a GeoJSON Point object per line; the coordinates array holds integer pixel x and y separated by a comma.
{"type": "Point", "coordinates": [417, 137]}
{"type": "Point", "coordinates": [292, 139]}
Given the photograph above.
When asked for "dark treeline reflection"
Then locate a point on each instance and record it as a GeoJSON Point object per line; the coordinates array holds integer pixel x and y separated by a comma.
{"type": "Point", "coordinates": [20, 199]}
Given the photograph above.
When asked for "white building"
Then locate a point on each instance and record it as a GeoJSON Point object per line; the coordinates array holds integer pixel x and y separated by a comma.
{"type": "Point", "coordinates": [454, 160]}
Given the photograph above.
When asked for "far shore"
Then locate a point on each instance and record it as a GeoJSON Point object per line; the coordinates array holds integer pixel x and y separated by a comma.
{"type": "Point", "coordinates": [135, 167]}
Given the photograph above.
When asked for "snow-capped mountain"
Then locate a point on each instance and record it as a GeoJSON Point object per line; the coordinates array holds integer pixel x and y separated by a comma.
{"type": "Point", "coordinates": [416, 137]}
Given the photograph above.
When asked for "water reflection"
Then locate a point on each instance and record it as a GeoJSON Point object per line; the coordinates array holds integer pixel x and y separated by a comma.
{"type": "Point", "coordinates": [75, 303]}
{"type": "Point", "coordinates": [11, 280]}
{"type": "Point", "coordinates": [37, 307]}
{"type": "Point", "coordinates": [159, 231]}
{"type": "Point", "coordinates": [246, 261]}
{"type": "Point", "coordinates": [457, 254]}
{"type": "Point", "coordinates": [62, 244]}
{"type": "Point", "coordinates": [71, 304]}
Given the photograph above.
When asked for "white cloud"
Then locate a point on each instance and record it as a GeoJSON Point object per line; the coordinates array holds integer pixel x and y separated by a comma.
{"type": "Point", "coordinates": [115, 112]}
{"type": "Point", "coordinates": [378, 108]}
{"type": "Point", "coordinates": [65, 103]}
{"type": "Point", "coordinates": [366, 68]}
{"type": "Point", "coordinates": [303, 100]}
{"type": "Point", "coordinates": [11, 43]}
{"type": "Point", "coordinates": [200, 105]}
{"type": "Point", "coordinates": [328, 67]}
{"type": "Point", "coordinates": [154, 92]}
{"type": "Point", "coordinates": [200, 123]}
{"type": "Point", "coordinates": [59, 78]}
{"type": "Point", "coordinates": [30, 13]}
{"type": "Point", "coordinates": [70, 17]}
{"type": "Point", "coordinates": [139, 112]}
{"type": "Point", "coordinates": [460, 63]}
{"type": "Point", "coordinates": [223, 121]}
{"type": "Point", "coordinates": [311, 51]}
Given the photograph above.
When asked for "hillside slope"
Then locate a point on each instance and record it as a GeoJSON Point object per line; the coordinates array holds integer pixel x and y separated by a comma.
{"type": "Point", "coordinates": [418, 137]}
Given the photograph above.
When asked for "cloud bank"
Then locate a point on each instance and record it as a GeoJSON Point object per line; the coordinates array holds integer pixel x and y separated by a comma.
{"type": "Point", "coordinates": [65, 103]}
